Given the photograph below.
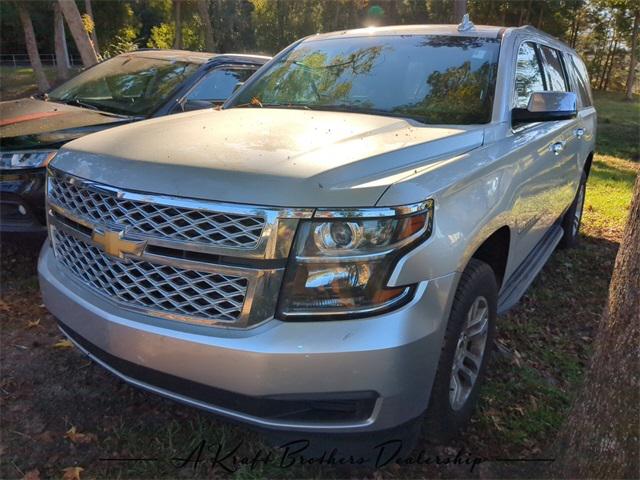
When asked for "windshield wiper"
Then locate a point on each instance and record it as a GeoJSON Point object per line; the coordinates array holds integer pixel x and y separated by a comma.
{"type": "Point", "coordinates": [298, 106]}
{"type": "Point", "coordinates": [366, 111]}
{"type": "Point", "coordinates": [80, 103]}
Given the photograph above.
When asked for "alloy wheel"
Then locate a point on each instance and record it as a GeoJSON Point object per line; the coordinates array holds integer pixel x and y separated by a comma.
{"type": "Point", "coordinates": [469, 353]}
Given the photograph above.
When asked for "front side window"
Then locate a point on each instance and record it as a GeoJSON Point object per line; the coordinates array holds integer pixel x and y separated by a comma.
{"type": "Point", "coordinates": [528, 75]}
{"type": "Point", "coordinates": [126, 84]}
{"type": "Point", "coordinates": [431, 78]}
{"type": "Point", "coordinates": [552, 65]}
{"type": "Point", "coordinates": [219, 84]}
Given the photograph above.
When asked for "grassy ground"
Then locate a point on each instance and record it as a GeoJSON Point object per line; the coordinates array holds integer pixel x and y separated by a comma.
{"type": "Point", "coordinates": [544, 344]}
{"type": "Point", "coordinates": [20, 82]}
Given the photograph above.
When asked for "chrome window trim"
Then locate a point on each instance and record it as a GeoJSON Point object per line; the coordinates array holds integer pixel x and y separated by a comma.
{"type": "Point", "coordinates": [274, 243]}
{"type": "Point", "coordinates": [260, 297]}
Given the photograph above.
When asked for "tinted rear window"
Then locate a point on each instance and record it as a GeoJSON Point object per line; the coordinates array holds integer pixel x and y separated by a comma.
{"type": "Point", "coordinates": [552, 65]}
{"type": "Point", "coordinates": [581, 80]}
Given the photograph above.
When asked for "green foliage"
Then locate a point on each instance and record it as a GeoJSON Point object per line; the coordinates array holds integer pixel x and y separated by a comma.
{"type": "Point", "coordinates": [124, 41]}
{"type": "Point", "coordinates": [599, 29]}
{"type": "Point", "coordinates": [88, 23]}
{"type": "Point", "coordinates": [163, 35]}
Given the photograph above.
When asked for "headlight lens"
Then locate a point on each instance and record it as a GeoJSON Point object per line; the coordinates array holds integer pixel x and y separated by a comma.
{"type": "Point", "coordinates": [341, 266]}
{"type": "Point", "coordinates": [26, 159]}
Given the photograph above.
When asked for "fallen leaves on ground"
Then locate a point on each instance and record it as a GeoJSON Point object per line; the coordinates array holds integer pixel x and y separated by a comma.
{"type": "Point", "coordinates": [65, 343]}
{"type": "Point", "coordinates": [33, 323]}
{"type": "Point", "coordinates": [77, 437]}
{"type": "Point", "coordinates": [72, 473]}
{"type": "Point", "coordinates": [32, 475]}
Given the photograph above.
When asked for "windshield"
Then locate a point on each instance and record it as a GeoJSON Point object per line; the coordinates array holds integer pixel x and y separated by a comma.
{"type": "Point", "coordinates": [434, 79]}
{"type": "Point", "coordinates": [126, 85]}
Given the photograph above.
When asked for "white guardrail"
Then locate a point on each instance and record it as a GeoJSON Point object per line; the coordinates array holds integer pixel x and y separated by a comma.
{"type": "Point", "coordinates": [22, 59]}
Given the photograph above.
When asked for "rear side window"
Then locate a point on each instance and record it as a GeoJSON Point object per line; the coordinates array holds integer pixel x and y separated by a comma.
{"type": "Point", "coordinates": [581, 80]}
{"type": "Point", "coordinates": [528, 75]}
{"type": "Point", "coordinates": [554, 73]}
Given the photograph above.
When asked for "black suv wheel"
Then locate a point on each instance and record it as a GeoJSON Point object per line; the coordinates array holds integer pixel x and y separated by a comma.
{"type": "Point", "coordinates": [466, 350]}
{"type": "Point", "coordinates": [573, 218]}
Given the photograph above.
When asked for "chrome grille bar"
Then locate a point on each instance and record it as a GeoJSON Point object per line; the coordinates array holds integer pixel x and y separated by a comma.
{"type": "Point", "coordinates": [176, 222]}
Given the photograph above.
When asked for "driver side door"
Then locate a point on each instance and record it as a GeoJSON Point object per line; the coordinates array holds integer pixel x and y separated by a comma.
{"type": "Point", "coordinates": [542, 152]}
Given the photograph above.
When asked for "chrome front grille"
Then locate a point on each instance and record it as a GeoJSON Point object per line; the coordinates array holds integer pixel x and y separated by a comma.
{"type": "Point", "coordinates": [155, 219]}
{"type": "Point", "coordinates": [159, 288]}
{"type": "Point", "coordinates": [189, 260]}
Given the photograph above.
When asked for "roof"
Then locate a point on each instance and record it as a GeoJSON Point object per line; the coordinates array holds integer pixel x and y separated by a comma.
{"type": "Point", "coordinates": [485, 31]}
{"type": "Point", "coordinates": [478, 31]}
{"type": "Point", "coordinates": [187, 55]}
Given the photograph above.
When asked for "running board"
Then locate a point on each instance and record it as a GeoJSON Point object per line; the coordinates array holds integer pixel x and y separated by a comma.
{"type": "Point", "coordinates": [525, 274]}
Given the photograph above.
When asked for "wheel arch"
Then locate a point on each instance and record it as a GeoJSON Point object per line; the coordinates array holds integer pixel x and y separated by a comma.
{"type": "Point", "coordinates": [494, 251]}
{"type": "Point", "coordinates": [587, 164]}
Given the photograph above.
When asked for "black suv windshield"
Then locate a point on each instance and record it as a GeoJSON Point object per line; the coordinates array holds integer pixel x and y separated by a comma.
{"type": "Point", "coordinates": [434, 79]}
{"type": "Point", "coordinates": [126, 84]}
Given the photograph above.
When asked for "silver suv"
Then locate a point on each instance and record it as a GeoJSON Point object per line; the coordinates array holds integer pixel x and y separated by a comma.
{"type": "Point", "coordinates": [329, 251]}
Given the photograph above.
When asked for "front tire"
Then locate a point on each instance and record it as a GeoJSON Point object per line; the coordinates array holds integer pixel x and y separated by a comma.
{"type": "Point", "coordinates": [467, 345]}
{"type": "Point", "coordinates": [573, 218]}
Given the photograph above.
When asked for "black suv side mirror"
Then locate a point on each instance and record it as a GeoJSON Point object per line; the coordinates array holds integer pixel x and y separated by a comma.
{"type": "Point", "coordinates": [546, 106]}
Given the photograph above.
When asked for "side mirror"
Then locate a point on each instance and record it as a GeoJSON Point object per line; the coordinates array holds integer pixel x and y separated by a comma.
{"type": "Point", "coordinates": [545, 107]}
{"type": "Point", "coordinates": [191, 105]}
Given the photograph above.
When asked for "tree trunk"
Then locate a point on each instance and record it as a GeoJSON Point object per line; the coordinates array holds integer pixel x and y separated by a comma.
{"type": "Point", "coordinates": [600, 437]}
{"type": "Point", "coordinates": [178, 17]}
{"type": "Point", "coordinates": [631, 78]}
{"type": "Point", "coordinates": [611, 62]}
{"type": "Point", "coordinates": [575, 28]}
{"type": "Point", "coordinates": [605, 67]}
{"type": "Point", "coordinates": [32, 47]}
{"type": "Point", "coordinates": [94, 35]}
{"type": "Point", "coordinates": [528, 16]}
{"type": "Point", "coordinates": [80, 35]}
{"type": "Point", "coordinates": [459, 9]}
{"type": "Point", "coordinates": [203, 9]}
{"type": "Point", "coordinates": [60, 44]}
{"type": "Point", "coordinates": [540, 16]}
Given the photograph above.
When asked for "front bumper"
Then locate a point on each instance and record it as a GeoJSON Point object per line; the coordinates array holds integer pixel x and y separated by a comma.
{"type": "Point", "coordinates": [378, 370]}
{"type": "Point", "coordinates": [22, 201]}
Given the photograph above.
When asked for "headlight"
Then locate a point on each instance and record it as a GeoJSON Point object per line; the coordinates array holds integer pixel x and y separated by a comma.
{"type": "Point", "coordinates": [340, 265]}
{"type": "Point", "coordinates": [26, 159]}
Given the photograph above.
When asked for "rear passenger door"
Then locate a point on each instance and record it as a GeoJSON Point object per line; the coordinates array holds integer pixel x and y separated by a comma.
{"type": "Point", "coordinates": [587, 117]}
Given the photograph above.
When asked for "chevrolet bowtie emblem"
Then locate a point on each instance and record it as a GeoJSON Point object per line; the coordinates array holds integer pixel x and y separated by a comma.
{"type": "Point", "coordinates": [113, 244]}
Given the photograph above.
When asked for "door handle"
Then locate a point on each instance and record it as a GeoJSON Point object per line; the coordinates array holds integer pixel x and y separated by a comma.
{"type": "Point", "coordinates": [557, 147]}
{"type": "Point", "coordinates": [580, 132]}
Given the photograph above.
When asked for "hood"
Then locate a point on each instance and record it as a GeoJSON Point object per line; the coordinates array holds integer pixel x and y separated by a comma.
{"type": "Point", "coordinates": [278, 157]}
{"type": "Point", "coordinates": [30, 123]}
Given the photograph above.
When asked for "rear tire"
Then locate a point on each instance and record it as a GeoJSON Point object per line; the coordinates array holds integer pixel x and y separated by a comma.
{"type": "Point", "coordinates": [573, 218]}
{"type": "Point", "coordinates": [465, 353]}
